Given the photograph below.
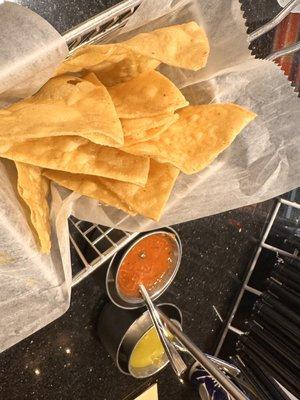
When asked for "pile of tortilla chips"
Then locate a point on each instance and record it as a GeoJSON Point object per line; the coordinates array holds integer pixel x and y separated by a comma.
{"type": "Point", "coordinates": [111, 127]}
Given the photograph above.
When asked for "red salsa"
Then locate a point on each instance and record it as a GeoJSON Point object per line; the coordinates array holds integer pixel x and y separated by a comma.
{"type": "Point", "coordinates": [146, 263]}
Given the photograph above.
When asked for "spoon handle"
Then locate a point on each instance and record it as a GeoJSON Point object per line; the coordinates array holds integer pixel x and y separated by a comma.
{"type": "Point", "coordinates": [199, 356]}
{"type": "Point", "coordinates": [173, 355]}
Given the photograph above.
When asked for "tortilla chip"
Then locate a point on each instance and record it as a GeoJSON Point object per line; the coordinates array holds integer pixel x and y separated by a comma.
{"type": "Point", "coordinates": [33, 187]}
{"type": "Point", "coordinates": [111, 63]}
{"type": "Point", "coordinates": [85, 58]}
{"type": "Point", "coordinates": [90, 186]}
{"type": "Point", "coordinates": [183, 46]}
{"type": "Point", "coordinates": [141, 129]}
{"type": "Point", "coordinates": [128, 68]}
{"type": "Point", "coordinates": [64, 106]}
{"type": "Point", "coordinates": [147, 95]}
{"type": "Point", "coordinates": [144, 136]}
{"type": "Point", "coordinates": [112, 185]}
{"type": "Point", "coordinates": [148, 201]}
{"type": "Point", "coordinates": [78, 155]}
{"type": "Point", "coordinates": [156, 124]}
{"type": "Point", "coordinates": [198, 137]}
{"type": "Point", "coordinates": [122, 67]}
{"type": "Point", "coordinates": [149, 134]}
{"type": "Point", "coordinates": [136, 125]}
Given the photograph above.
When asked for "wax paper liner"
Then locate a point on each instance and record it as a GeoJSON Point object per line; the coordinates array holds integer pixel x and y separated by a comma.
{"type": "Point", "coordinates": [30, 51]}
{"type": "Point", "coordinates": [34, 288]}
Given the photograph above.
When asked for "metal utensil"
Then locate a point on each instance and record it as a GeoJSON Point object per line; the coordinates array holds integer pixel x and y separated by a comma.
{"type": "Point", "coordinates": [174, 357]}
{"type": "Point", "coordinates": [222, 364]}
{"type": "Point", "coordinates": [225, 366]}
{"type": "Point", "coordinates": [199, 356]}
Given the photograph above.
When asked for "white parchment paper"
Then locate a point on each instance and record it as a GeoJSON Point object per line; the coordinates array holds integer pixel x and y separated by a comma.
{"type": "Point", "coordinates": [34, 288]}
{"type": "Point", "coordinates": [30, 49]}
{"type": "Point", "coordinates": [262, 162]}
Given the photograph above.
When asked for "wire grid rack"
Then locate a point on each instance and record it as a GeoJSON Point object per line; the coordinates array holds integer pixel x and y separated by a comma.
{"type": "Point", "coordinates": [290, 210]}
{"type": "Point", "coordinates": [100, 242]}
{"type": "Point", "coordinates": [97, 28]}
{"type": "Point", "coordinates": [95, 244]}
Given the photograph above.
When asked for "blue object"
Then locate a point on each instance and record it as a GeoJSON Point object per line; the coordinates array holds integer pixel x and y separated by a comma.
{"type": "Point", "coordinates": [207, 387]}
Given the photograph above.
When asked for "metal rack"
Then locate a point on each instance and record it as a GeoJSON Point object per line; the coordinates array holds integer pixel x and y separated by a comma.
{"type": "Point", "coordinates": [97, 28]}
{"type": "Point", "coordinates": [245, 287]}
{"type": "Point", "coordinates": [101, 242]}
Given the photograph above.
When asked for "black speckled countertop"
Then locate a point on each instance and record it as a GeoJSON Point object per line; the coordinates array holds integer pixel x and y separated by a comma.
{"type": "Point", "coordinates": [65, 360]}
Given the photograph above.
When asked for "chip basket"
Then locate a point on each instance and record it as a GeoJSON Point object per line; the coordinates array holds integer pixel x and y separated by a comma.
{"type": "Point", "coordinates": [95, 244]}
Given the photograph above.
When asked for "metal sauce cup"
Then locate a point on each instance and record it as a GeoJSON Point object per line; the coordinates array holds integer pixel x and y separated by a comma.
{"type": "Point", "coordinates": [121, 330]}
{"type": "Point", "coordinates": [114, 291]}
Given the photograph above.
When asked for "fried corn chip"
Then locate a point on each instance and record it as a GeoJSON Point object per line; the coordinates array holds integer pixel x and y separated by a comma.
{"type": "Point", "coordinates": [149, 134]}
{"type": "Point", "coordinates": [141, 129]}
{"type": "Point", "coordinates": [88, 185]}
{"type": "Point", "coordinates": [145, 136]}
{"type": "Point", "coordinates": [78, 155]}
{"type": "Point", "coordinates": [33, 187]}
{"type": "Point", "coordinates": [148, 201]}
{"type": "Point", "coordinates": [156, 124]}
{"type": "Point", "coordinates": [87, 57]}
{"type": "Point", "coordinates": [122, 67]}
{"type": "Point", "coordinates": [149, 94]}
{"type": "Point", "coordinates": [183, 46]}
{"type": "Point", "coordinates": [198, 137]}
{"type": "Point", "coordinates": [64, 106]}
{"type": "Point", "coordinates": [132, 64]}
{"type": "Point", "coordinates": [112, 63]}
{"type": "Point", "coordinates": [132, 126]}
